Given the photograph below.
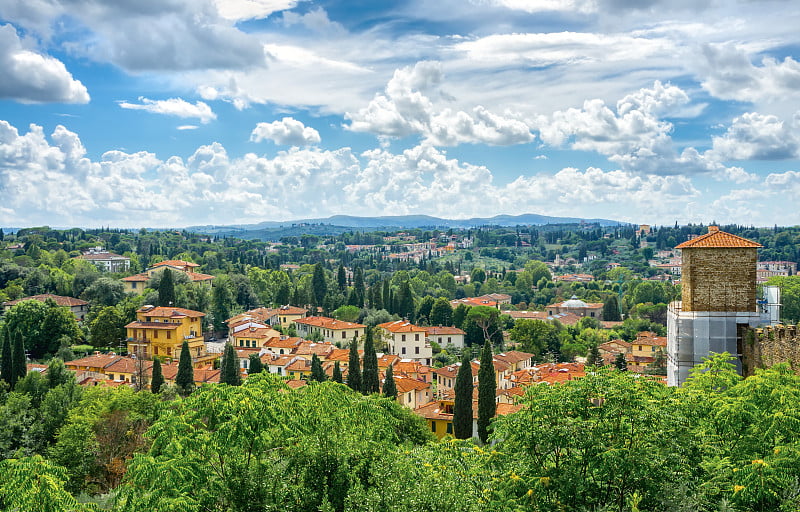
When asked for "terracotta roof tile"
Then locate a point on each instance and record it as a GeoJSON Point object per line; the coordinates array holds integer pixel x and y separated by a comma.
{"type": "Point", "coordinates": [717, 238]}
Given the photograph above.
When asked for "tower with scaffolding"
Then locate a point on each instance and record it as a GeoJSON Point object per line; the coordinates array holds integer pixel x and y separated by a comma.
{"type": "Point", "coordinates": [718, 301]}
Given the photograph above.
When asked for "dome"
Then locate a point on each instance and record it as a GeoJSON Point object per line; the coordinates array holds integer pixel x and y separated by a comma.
{"type": "Point", "coordinates": [574, 302]}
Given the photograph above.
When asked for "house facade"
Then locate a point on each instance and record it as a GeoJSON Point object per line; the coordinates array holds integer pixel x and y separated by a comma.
{"type": "Point", "coordinates": [161, 331]}
{"type": "Point", "coordinates": [407, 341]}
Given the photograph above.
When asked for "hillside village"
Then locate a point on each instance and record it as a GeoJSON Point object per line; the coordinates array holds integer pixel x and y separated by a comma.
{"type": "Point", "coordinates": [458, 333]}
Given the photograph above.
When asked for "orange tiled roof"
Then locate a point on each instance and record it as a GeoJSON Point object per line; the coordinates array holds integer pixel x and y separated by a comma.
{"type": "Point", "coordinates": [137, 278]}
{"type": "Point", "coordinates": [176, 263]}
{"type": "Point", "coordinates": [93, 361]}
{"type": "Point", "coordinates": [406, 384]}
{"type": "Point", "coordinates": [168, 312]}
{"type": "Point", "coordinates": [291, 310]}
{"type": "Point", "coordinates": [513, 356]}
{"type": "Point", "coordinates": [717, 238]}
{"type": "Point", "coordinates": [310, 347]}
{"type": "Point", "coordinates": [58, 299]}
{"type": "Point", "coordinates": [281, 342]}
{"type": "Point", "coordinates": [195, 276]}
{"type": "Point", "coordinates": [433, 331]}
{"type": "Point", "coordinates": [452, 370]}
{"type": "Point", "coordinates": [401, 326]}
{"type": "Point", "coordinates": [328, 323]}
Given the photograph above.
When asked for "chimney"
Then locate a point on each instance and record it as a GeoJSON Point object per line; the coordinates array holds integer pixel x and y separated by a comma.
{"type": "Point", "coordinates": [713, 229]}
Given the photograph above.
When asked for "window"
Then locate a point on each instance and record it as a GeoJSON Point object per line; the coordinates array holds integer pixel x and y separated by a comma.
{"type": "Point", "coordinates": [133, 286]}
{"type": "Point", "coordinates": [155, 335]}
{"type": "Point", "coordinates": [440, 339]}
{"type": "Point", "coordinates": [449, 339]}
{"type": "Point", "coordinates": [402, 337]}
{"type": "Point", "coordinates": [416, 350]}
{"type": "Point", "coordinates": [409, 398]}
{"type": "Point", "coordinates": [416, 337]}
{"type": "Point", "coordinates": [344, 335]}
{"type": "Point", "coordinates": [155, 350]}
{"type": "Point", "coordinates": [433, 426]}
{"type": "Point", "coordinates": [169, 351]}
{"type": "Point", "coordinates": [403, 350]}
{"type": "Point", "coordinates": [169, 335]}
{"type": "Point", "coordinates": [449, 427]}
{"type": "Point", "coordinates": [592, 313]}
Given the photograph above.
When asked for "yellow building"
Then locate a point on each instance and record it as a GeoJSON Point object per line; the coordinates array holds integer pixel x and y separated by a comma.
{"type": "Point", "coordinates": [137, 283]}
{"type": "Point", "coordinates": [161, 331]}
{"type": "Point", "coordinates": [331, 330]}
{"type": "Point", "coordinates": [438, 415]}
{"type": "Point", "coordinates": [288, 314]}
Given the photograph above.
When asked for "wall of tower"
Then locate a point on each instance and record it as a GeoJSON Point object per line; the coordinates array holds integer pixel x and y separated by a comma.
{"type": "Point", "coordinates": [767, 346]}
{"type": "Point", "coordinates": [719, 279]}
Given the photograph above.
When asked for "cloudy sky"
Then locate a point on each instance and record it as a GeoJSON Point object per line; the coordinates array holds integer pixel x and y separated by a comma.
{"type": "Point", "coordinates": [168, 113]}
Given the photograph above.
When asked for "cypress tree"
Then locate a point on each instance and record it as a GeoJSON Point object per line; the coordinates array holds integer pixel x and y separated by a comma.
{"type": "Point", "coordinates": [462, 410]}
{"type": "Point", "coordinates": [341, 279]}
{"type": "Point", "coordinates": [370, 383]}
{"type": "Point", "coordinates": [317, 373]}
{"type": "Point", "coordinates": [185, 377]}
{"type": "Point", "coordinates": [487, 407]}
{"type": "Point", "coordinates": [620, 362]}
{"type": "Point", "coordinates": [19, 367]}
{"type": "Point", "coordinates": [156, 377]}
{"type": "Point", "coordinates": [318, 284]}
{"type": "Point", "coordinates": [166, 289]}
{"type": "Point", "coordinates": [354, 367]}
{"type": "Point", "coordinates": [337, 373]}
{"type": "Point", "coordinates": [389, 386]}
{"type": "Point", "coordinates": [230, 373]}
{"type": "Point", "coordinates": [6, 363]}
{"type": "Point", "coordinates": [256, 366]}
{"type": "Point", "coordinates": [611, 309]}
{"type": "Point", "coordinates": [593, 358]}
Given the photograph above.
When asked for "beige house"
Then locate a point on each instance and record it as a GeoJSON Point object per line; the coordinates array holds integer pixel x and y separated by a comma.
{"type": "Point", "coordinates": [444, 336]}
{"type": "Point", "coordinates": [331, 330]}
{"type": "Point", "coordinates": [137, 283]}
{"type": "Point", "coordinates": [407, 341]}
{"type": "Point", "coordinates": [78, 307]}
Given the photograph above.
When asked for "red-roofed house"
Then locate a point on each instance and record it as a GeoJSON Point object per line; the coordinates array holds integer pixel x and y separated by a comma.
{"type": "Point", "coordinates": [407, 341]}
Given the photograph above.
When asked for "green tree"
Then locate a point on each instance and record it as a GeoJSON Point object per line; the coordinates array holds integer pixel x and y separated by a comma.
{"type": "Point", "coordinates": [487, 392]}
{"type": "Point", "coordinates": [462, 410]}
{"type": "Point", "coordinates": [341, 279]}
{"type": "Point", "coordinates": [620, 363]}
{"type": "Point", "coordinates": [534, 336]}
{"type": "Point", "coordinates": [229, 368]}
{"type": "Point", "coordinates": [370, 382]}
{"type": "Point", "coordinates": [347, 313]}
{"type": "Point", "coordinates": [57, 374]}
{"type": "Point", "coordinates": [478, 275]}
{"type": "Point", "coordinates": [157, 376]}
{"type": "Point", "coordinates": [425, 308]}
{"type": "Point", "coordinates": [319, 285]}
{"type": "Point", "coordinates": [6, 360]}
{"type": "Point", "coordinates": [405, 301]}
{"type": "Point", "coordinates": [104, 291]}
{"type": "Point", "coordinates": [593, 357]}
{"type": "Point", "coordinates": [611, 309]}
{"type": "Point", "coordinates": [19, 361]}
{"type": "Point", "coordinates": [459, 315]}
{"type": "Point", "coordinates": [317, 373]}
{"type": "Point", "coordinates": [483, 324]}
{"type": "Point", "coordinates": [337, 373]}
{"type": "Point", "coordinates": [389, 385]}
{"type": "Point", "coordinates": [223, 300]}
{"type": "Point", "coordinates": [108, 328]}
{"type": "Point", "coordinates": [441, 313]}
{"type": "Point", "coordinates": [256, 366]}
{"type": "Point", "coordinates": [185, 376]}
{"type": "Point", "coordinates": [354, 367]}
{"type": "Point", "coordinates": [166, 289]}
{"type": "Point", "coordinates": [34, 483]}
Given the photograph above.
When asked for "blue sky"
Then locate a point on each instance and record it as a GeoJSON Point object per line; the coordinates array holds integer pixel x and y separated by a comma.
{"type": "Point", "coordinates": [170, 113]}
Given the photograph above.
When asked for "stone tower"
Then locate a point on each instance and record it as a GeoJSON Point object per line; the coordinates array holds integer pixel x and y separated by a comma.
{"type": "Point", "coordinates": [718, 301]}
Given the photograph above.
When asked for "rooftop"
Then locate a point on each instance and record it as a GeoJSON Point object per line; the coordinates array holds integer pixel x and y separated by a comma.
{"type": "Point", "coordinates": [718, 239]}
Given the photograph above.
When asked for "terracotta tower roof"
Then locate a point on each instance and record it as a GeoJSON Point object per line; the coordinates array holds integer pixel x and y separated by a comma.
{"type": "Point", "coordinates": [717, 238]}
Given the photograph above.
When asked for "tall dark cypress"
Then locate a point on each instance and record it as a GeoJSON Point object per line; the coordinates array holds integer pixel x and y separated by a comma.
{"type": "Point", "coordinates": [317, 373]}
{"type": "Point", "coordinates": [6, 363]}
{"type": "Point", "coordinates": [487, 392]}
{"type": "Point", "coordinates": [337, 373]}
{"type": "Point", "coordinates": [185, 377]}
{"type": "Point", "coordinates": [19, 361]}
{"type": "Point", "coordinates": [166, 289]}
{"type": "Point", "coordinates": [318, 284]}
{"type": "Point", "coordinates": [354, 367]}
{"type": "Point", "coordinates": [389, 385]}
{"type": "Point", "coordinates": [157, 377]}
{"type": "Point", "coordinates": [370, 383]}
{"type": "Point", "coordinates": [256, 366]}
{"type": "Point", "coordinates": [230, 373]}
{"type": "Point", "coordinates": [462, 410]}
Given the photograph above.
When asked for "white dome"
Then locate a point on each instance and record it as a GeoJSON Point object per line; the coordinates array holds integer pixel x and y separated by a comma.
{"type": "Point", "coordinates": [574, 302]}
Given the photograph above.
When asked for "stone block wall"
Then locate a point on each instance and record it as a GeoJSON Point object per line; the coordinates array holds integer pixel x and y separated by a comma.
{"type": "Point", "coordinates": [719, 279]}
{"type": "Point", "coordinates": [767, 346]}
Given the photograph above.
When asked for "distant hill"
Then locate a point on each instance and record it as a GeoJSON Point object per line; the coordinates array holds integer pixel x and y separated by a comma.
{"type": "Point", "coordinates": [273, 230]}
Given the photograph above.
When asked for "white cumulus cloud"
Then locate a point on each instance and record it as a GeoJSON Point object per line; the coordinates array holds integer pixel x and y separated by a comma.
{"type": "Point", "coordinates": [173, 107]}
{"type": "Point", "coordinates": [412, 105]}
{"type": "Point", "coordinates": [288, 131]}
{"type": "Point", "coordinates": [31, 77]}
